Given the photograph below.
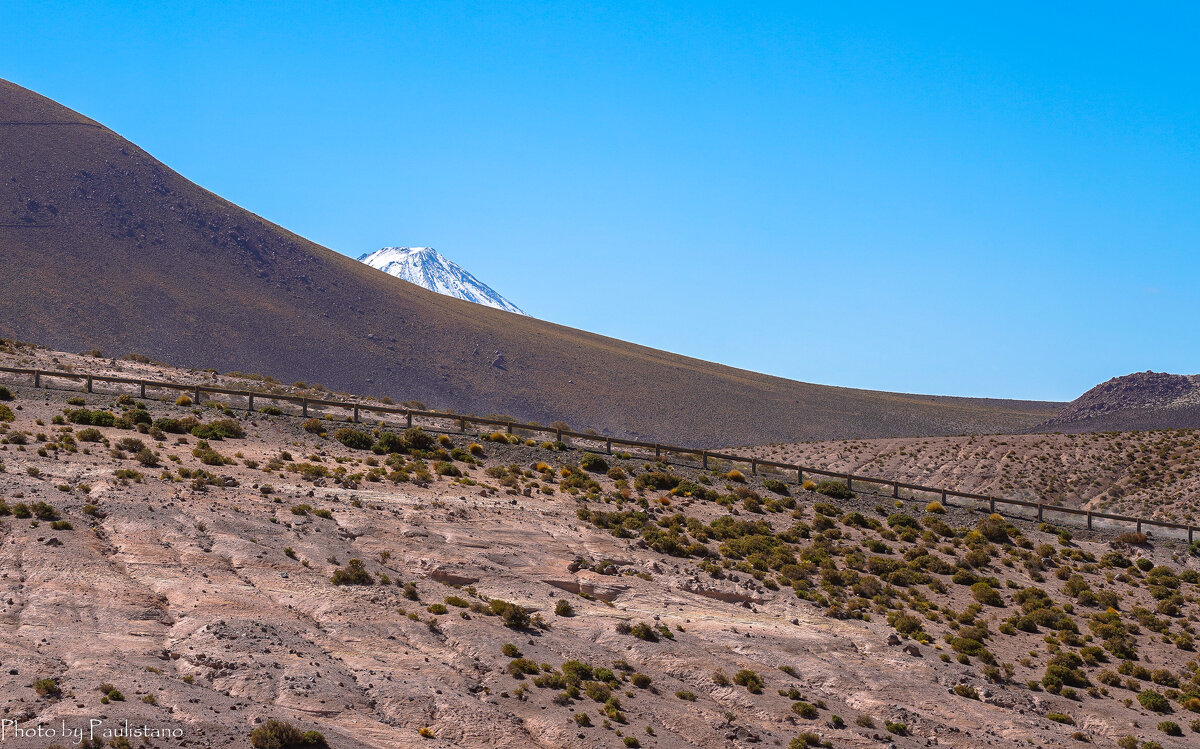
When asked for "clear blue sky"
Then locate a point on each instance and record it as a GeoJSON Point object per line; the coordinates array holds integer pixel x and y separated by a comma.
{"type": "Point", "coordinates": [1003, 201]}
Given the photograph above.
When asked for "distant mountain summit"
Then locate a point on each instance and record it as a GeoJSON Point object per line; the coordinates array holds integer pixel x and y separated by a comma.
{"type": "Point", "coordinates": [428, 268]}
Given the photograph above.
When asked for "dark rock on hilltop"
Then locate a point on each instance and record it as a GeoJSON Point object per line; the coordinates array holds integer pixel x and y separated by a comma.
{"type": "Point", "coordinates": [1143, 400]}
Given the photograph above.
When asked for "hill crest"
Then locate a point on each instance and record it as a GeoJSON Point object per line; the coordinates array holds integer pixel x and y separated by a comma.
{"type": "Point", "coordinates": [107, 248]}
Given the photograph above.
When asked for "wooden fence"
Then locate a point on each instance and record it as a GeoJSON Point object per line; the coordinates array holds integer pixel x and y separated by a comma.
{"type": "Point", "coordinates": [443, 421]}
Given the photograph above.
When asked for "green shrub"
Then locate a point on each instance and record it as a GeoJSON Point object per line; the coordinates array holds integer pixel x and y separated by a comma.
{"type": "Point", "coordinates": [6, 413]}
{"type": "Point", "coordinates": [564, 608]}
{"type": "Point", "coordinates": [220, 429]}
{"type": "Point", "coordinates": [805, 710]}
{"type": "Point", "coordinates": [44, 511]}
{"type": "Point", "coordinates": [85, 417]}
{"type": "Point", "coordinates": [416, 438]}
{"type": "Point", "coordinates": [986, 594]}
{"type": "Point", "coordinates": [313, 426]}
{"type": "Point", "coordinates": [1061, 718]}
{"type": "Point", "coordinates": [593, 463]}
{"type": "Point", "coordinates": [514, 616]}
{"type": "Point", "coordinates": [274, 734]}
{"type": "Point", "coordinates": [639, 680]}
{"type": "Point", "coordinates": [47, 688]}
{"type": "Point", "coordinates": [1170, 728]}
{"type": "Point", "coordinates": [354, 573]}
{"type": "Point", "coordinates": [354, 439]}
{"type": "Point", "coordinates": [5, 394]}
{"type": "Point", "coordinates": [518, 667]}
{"type": "Point", "coordinates": [446, 468]}
{"type": "Point", "coordinates": [176, 426]}
{"type": "Point", "coordinates": [776, 486]}
{"type": "Point", "coordinates": [993, 528]}
{"type": "Point", "coordinates": [900, 729]}
{"type": "Point", "coordinates": [271, 410]}
{"type": "Point", "coordinates": [750, 680]}
{"type": "Point", "coordinates": [209, 456]}
{"type": "Point", "coordinates": [835, 489]}
{"type": "Point", "coordinates": [1152, 700]}
{"type": "Point", "coordinates": [657, 480]}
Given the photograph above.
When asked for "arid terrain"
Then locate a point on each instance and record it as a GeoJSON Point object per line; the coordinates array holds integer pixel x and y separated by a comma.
{"type": "Point", "coordinates": [106, 248]}
{"type": "Point", "coordinates": [195, 568]}
{"type": "Point", "coordinates": [1148, 474]}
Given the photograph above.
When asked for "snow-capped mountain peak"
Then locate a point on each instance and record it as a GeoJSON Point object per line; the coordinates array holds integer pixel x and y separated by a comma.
{"type": "Point", "coordinates": [428, 268]}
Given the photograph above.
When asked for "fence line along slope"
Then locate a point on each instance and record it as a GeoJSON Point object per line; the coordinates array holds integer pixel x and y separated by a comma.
{"type": "Point", "coordinates": [353, 410]}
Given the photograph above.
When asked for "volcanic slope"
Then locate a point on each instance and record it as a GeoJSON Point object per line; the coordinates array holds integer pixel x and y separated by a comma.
{"type": "Point", "coordinates": [106, 248]}
{"type": "Point", "coordinates": [198, 569]}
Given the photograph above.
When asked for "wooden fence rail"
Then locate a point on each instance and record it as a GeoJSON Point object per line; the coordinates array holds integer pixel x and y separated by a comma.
{"type": "Point", "coordinates": [792, 472]}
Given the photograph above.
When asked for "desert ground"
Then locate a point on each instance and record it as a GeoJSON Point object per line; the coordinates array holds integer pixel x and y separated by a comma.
{"type": "Point", "coordinates": [206, 571]}
{"type": "Point", "coordinates": [1145, 473]}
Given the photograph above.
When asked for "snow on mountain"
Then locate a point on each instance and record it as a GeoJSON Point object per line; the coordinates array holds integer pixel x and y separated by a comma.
{"type": "Point", "coordinates": [428, 268]}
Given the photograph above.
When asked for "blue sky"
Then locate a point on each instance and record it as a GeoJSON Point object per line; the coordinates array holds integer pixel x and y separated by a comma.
{"type": "Point", "coordinates": [1002, 201]}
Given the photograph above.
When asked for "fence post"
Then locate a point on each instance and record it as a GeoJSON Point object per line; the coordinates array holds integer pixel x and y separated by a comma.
{"type": "Point", "coordinates": [849, 484]}
{"type": "Point", "coordinates": [409, 415]}
{"type": "Point", "coordinates": [754, 466]}
{"type": "Point", "coordinates": [510, 427]}
{"type": "Point", "coordinates": [37, 378]}
{"type": "Point", "coordinates": [143, 391]}
{"type": "Point", "coordinates": [1190, 529]}
{"type": "Point", "coordinates": [249, 400]}
{"type": "Point", "coordinates": [355, 413]}
{"type": "Point", "coordinates": [657, 451]}
{"type": "Point", "coordinates": [895, 490]}
{"type": "Point", "coordinates": [462, 424]}
{"type": "Point", "coordinates": [992, 504]}
{"type": "Point", "coordinates": [304, 406]}
{"type": "Point", "coordinates": [608, 445]}
{"type": "Point", "coordinates": [558, 435]}
{"type": "Point", "coordinates": [800, 476]}
{"type": "Point", "coordinates": [197, 398]}
{"type": "Point", "coordinates": [704, 457]}
{"type": "Point", "coordinates": [1040, 506]}
{"type": "Point", "coordinates": [89, 383]}
{"type": "Point", "coordinates": [1089, 517]}
{"type": "Point", "coordinates": [943, 496]}
{"type": "Point", "coordinates": [1139, 524]}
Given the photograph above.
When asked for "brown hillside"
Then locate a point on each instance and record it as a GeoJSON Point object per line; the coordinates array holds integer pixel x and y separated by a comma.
{"type": "Point", "coordinates": [106, 248]}
{"type": "Point", "coordinates": [1142, 400]}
